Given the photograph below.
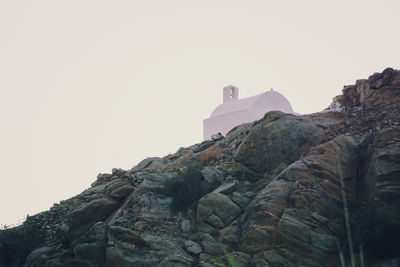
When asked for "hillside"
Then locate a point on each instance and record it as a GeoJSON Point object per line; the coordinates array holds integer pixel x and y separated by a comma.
{"type": "Point", "coordinates": [271, 193]}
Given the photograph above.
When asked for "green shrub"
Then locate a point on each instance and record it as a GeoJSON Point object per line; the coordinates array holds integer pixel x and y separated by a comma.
{"type": "Point", "coordinates": [186, 188]}
{"type": "Point", "coordinates": [16, 243]}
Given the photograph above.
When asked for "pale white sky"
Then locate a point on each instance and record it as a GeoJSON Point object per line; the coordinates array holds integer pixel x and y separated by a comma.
{"type": "Point", "coordinates": [89, 85]}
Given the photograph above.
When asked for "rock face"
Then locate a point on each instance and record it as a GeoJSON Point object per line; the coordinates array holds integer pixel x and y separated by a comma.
{"type": "Point", "coordinates": [277, 140]}
{"type": "Point", "coordinates": [283, 191]}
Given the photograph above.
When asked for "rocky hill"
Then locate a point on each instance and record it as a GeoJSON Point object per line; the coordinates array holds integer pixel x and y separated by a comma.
{"type": "Point", "coordinates": [309, 190]}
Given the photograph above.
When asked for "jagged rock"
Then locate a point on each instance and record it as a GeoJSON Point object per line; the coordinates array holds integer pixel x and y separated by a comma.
{"type": "Point", "coordinates": [217, 210]}
{"type": "Point", "coordinates": [103, 177]}
{"type": "Point", "coordinates": [119, 188]}
{"type": "Point", "coordinates": [203, 145]}
{"type": "Point", "coordinates": [379, 89]}
{"type": "Point", "coordinates": [148, 163]}
{"type": "Point", "coordinates": [91, 212]}
{"type": "Point", "coordinates": [143, 210]}
{"type": "Point", "coordinates": [226, 189]}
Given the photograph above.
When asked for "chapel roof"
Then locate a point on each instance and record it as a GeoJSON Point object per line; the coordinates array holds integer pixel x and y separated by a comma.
{"type": "Point", "coordinates": [269, 100]}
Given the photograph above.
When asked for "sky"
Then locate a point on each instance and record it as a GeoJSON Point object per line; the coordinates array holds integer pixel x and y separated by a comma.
{"type": "Point", "coordinates": [89, 85]}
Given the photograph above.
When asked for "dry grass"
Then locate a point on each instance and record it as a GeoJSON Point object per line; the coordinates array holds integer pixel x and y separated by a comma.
{"type": "Point", "coordinates": [210, 155]}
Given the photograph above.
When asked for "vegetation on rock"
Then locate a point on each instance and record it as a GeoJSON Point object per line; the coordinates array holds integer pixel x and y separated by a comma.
{"type": "Point", "coordinates": [16, 243]}
{"type": "Point", "coordinates": [187, 188]}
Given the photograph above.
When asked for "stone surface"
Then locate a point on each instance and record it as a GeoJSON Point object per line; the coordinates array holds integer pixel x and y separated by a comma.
{"type": "Point", "coordinates": [186, 225]}
{"type": "Point", "coordinates": [312, 189]}
{"type": "Point", "coordinates": [192, 247]}
{"type": "Point", "coordinates": [217, 210]}
{"type": "Point", "coordinates": [277, 139]}
{"type": "Point", "coordinates": [212, 246]}
{"type": "Point", "coordinates": [212, 175]}
{"type": "Point", "coordinates": [91, 212]}
{"type": "Point", "coordinates": [226, 188]}
{"type": "Point", "coordinates": [147, 163]}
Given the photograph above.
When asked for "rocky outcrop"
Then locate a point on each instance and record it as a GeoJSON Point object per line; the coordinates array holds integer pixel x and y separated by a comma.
{"type": "Point", "coordinates": [217, 210]}
{"type": "Point", "coordinates": [282, 191]}
{"type": "Point", "coordinates": [301, 207]}
{"type": "Point", "coordinates": [276, 141]}
{"type": "Point", "coordinates": [380, 89]}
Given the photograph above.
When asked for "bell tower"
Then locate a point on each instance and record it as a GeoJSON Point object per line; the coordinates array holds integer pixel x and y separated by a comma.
{"type": "Point", "coordinates": [230, 93]}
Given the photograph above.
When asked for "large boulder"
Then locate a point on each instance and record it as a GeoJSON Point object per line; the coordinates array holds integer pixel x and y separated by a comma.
{"type": "Point", "coordinates": [87, 213]}
{"type": "Point", "coordinates": [217, 210]}
{"type": "Point", "coordinates": [119, 188]}
{"type": "Point", "coordinates": [278, 139]}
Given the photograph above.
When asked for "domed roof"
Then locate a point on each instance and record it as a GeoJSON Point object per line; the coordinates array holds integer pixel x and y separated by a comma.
{"type": "Point", "coordinates": [267, 101]}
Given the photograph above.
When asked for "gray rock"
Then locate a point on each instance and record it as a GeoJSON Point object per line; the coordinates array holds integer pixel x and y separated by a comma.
{"type": "Point", "coordinates": [240, 199]}
{"type": "Point", "coordinates": [124, 237]}
{"type": "Point", "coordinates": [226, 189]}
{"type": "Point", "coordinates": [186, 226]}
{"type": "Point", "coordinates": [38, 257]}
{"type": "Point", "coordinates": [88, 213]}
{"type": "Point", "coordinates": [146, 163]}
{"type": "Point", "coordinates": [212, 175]}
{"type": "Point", "coordinates": [96, 234]}
{"type": "Point", "coordinates": [273, 259]}
{"type": "Point", "coordinates": [212, 246]}
{"type": "Point", "coordinates": [103, 177]}
{"type": "Point", "coordinates": [91, 252]}
{"type": "Point", "coordinates": [310, 187]}
{"type": "Point", "coordinates": [230, 235]}
{"type": "Point", "coordinates": [383, 175]}
{"type": "Point", "coordinates": [119, 257]}
{"type": "Point", "coordinates": [278, 138]}
{"type": "Point", "coordinates": [217, 210]}
{"type": "Point", "coordinates": [203, 145]}
{"type": "Point", "coordinates": [192, 247]}
{"type": "Point", "coordinates": [119, 188]}
{"type": "Point", "coordinates": [153, 183]}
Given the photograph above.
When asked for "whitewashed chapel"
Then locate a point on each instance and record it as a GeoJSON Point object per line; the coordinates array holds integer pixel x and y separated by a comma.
{"type": "Point", "coordinates": [234, 111]}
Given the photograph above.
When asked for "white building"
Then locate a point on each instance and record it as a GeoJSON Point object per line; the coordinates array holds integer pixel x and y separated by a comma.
{"type": "Point", "coordinates": [234, 111]}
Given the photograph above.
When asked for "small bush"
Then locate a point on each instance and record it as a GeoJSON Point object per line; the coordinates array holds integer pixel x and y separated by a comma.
{"type": "Point", "coordinates": [16, 243]}
{"type": "Point", "coordinates": [186, 188]}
